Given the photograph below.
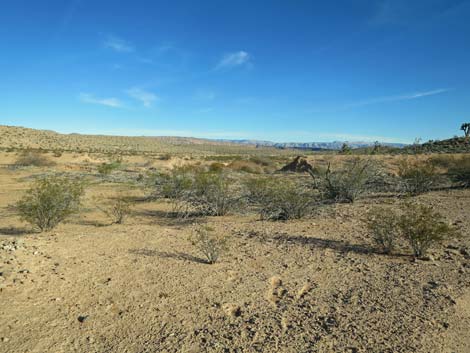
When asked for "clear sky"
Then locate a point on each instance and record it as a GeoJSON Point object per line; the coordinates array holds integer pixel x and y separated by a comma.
{"type": "Point", "coordinates": [292, 70]}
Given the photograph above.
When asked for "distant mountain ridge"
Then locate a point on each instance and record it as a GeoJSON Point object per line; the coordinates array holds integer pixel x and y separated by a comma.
{"type": "Point", "coordinates": [333, 145]}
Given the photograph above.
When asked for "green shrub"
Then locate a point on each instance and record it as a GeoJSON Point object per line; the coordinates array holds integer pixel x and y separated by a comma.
{"type": "Point", "coordinates": [33, 158]}
{"type": "Point", "coordinates": [209, 244]}
{"type": "Point", "coordinates": [50, 201]}
{"type": "Point", "coordinates": [417, 224]}
{"type": "Point", "coordinates": [383, 225]}
{"type": "Point", "coordinates": [423, 227]}
{"type": "Point", "coordinates": [194, 189]}
{"type": "Point", "coordinates": [279, 200]}
{"type": "Point", "coordinates": [348, 183]}
{"type": "Point", "coordinates": [417, 177]}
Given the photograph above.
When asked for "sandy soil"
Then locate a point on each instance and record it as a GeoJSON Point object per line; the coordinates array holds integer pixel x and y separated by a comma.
{"type": "Point", "coordinates": [315, 285]}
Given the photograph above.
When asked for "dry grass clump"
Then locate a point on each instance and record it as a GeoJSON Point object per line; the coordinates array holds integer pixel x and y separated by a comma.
{"type": "Point", "coordinates": [50, 201]}
{"type": "Point", "coordinates": [459, 172]}
{"type": "Point", "coordinates": [245, 166]}
{"type": "Point", "coordinates": [419, 225]}
{"type": "Point", "coordinates": [33, 158]}
{"type": "Point", "coordinates": [210, 244]}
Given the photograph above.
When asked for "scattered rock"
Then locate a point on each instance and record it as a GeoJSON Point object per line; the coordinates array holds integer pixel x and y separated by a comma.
{"type": "Point", "coordinates": [232, 310]}
{"type": "Point", "coordinates": [82, 318]}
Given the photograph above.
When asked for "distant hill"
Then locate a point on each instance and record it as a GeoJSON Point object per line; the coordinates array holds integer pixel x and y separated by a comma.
{"type": "Point", "coordinates": [314, 146]}
{"type": "Point", "coordinates": [20, 138]}
{"type": "Point", "coordinates": [453, 145]}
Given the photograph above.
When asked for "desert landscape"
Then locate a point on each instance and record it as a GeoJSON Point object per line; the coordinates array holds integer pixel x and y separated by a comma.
{"type": "Point", "coordinates": [262, 259]}
{"type": "Point", "coordinates": [249, 176]}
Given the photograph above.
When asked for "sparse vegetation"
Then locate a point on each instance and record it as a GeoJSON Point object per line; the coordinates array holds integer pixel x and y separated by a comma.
{"type": "Point", "coordinates": [209, 244]}
{"type": "Point", "coordinates": [50, 201]}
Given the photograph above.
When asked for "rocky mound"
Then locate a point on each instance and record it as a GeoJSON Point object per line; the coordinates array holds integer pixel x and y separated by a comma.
{"type": "Point", "coordinates": [298, 165]}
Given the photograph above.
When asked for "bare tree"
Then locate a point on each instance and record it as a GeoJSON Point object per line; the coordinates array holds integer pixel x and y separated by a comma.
{"type": "Point", "coordinates": [466, 129]}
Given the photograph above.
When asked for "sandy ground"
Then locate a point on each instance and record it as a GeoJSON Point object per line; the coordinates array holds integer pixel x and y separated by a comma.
{"type": "Point", "coordinates": [314, 285]}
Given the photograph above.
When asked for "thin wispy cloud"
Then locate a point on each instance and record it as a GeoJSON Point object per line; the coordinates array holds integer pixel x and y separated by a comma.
{"type": "Point", "coordinates": [108, 102]}
{"type": "Point", "coordinates": [231, 60]}
{"type": "Point", "coordinates": [402, 97]}
{"type": "Point", "coordinates": [118, 45]}
{"type": "Point", "coordinates": [146, 98]}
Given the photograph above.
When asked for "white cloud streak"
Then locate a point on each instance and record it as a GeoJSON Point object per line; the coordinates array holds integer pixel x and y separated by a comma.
{"type": "Point", "coordinates": [146, 98]}
{"type": "Point", "coordinates": [108, 102]}
{"type": "Point", "coordinates": [396, 98]}
{"type": "Point", "coordinates": [119, 45]}
{"type": "Point", "coordinates": [231, 60]}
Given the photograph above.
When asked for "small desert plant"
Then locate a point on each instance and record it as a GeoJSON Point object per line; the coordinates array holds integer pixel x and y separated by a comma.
{"type": "Point", "coordinates": [417, 177]}
{"type": "Point", "coordinates": [383, 224]}
{"type": "Point", "coordinates": [117, 209]}
{"type": "Point", "coordinates": [349, 183]}
{"type": "Point", "coordinates": [417, 224]}
{"type": "Point", "coordinates": [423, 227]}
{"type": "Point", "coordinates": [33, 158]}
{"type": "Point", "coordinates": [279, 200]}
{"type": "Point", "coordinates": [210, 245]}
{"type": "Point", "coordinates": [50, 201]}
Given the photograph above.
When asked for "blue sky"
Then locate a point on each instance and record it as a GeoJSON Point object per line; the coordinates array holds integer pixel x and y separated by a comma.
{"type": "Point", "coordinates": [389, 70]}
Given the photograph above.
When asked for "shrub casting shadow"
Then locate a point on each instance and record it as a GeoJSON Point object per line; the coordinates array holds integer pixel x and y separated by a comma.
{"type": "Point", "coordinates": [313, 242]}
{"type": "Point", "coordinates": [15, 231]}
{"type": "Point", "coordinates": [167, 255]}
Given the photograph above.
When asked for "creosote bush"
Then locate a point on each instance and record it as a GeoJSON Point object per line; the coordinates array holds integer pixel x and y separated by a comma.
{"type": "Point", "coordinates": [419, 225]}
{"type": "Point", "coordinates": [209, 244]}
{"type": "Point", "coordinates": [117, 209]}
{"type": "Point", "coordinates": [50, 201]}
{"type": "Point", "coordinates": [417, 176]}
{"type": "Point", "coordinates": [348, 183]}
{"type": "Point", "coordinates": [383, 226]}
{"type": "Point", "coordinates": [193, 189]}
{"type": "Point", "coordinates": [423, 227]}
{"type": "Point", "coordinates": [279, 200]}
